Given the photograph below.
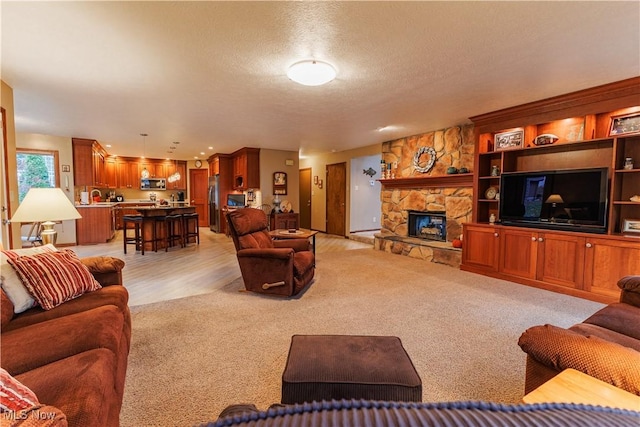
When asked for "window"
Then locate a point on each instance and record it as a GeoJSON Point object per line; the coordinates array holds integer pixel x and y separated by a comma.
{"type": "Point", "coordinates": [36, 168]}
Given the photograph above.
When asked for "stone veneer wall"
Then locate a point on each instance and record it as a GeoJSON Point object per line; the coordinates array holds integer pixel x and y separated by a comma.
{"type": "Point", "coordinates": [454, 147]}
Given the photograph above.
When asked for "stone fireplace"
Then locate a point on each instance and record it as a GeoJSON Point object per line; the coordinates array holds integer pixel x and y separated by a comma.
{"type": "Point", "coordinates": [428, 225]}
{"type": "Point", "coordinates": [432, 193]}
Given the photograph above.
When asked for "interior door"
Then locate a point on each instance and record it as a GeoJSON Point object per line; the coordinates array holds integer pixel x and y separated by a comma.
{"type": "Point", "coordinates": [336, 198]}
{"type": "Point", "coordinates": [305, 198]}
{"type": "Point", "coordinates": [198, 194]}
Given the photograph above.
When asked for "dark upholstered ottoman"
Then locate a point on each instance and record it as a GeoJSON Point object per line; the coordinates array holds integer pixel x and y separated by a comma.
{"type": "Point", "coordinates": [325, 367]}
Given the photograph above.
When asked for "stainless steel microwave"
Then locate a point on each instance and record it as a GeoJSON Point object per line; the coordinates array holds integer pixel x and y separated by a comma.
{"type": "Point", "coordinates": [153, 184]}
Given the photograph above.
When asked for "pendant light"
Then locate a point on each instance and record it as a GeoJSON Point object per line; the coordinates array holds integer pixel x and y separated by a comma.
{"type": "Point", "coordinates": [144, 174]}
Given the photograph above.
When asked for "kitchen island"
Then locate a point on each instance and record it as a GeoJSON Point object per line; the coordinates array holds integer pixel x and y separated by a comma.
{"type": "Point", "coordinates": [100, 220]}
{"type": "Point", "coordinates": [150, 229]}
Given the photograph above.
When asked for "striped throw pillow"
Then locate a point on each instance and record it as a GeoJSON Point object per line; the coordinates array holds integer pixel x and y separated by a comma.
{"type": "Point", "coordinates": [54, 277]}
{"type": "Point", "coordinates": [14, 396]}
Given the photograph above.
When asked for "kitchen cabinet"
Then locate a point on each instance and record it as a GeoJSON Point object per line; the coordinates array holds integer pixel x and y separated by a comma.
{"type": "Point", "coordinates": [246, 169]}
{"type": "Point", "coordinates": [90, 166]}
{"type": "Point", "coordinates": [127, 173]}
{"type": "Point", "coordinates": [110, 173]}
{"type": "Point", "coordinates": [181, 168]}
{"type": "Point", "coordinates": [284, 221]}
{"type": "Point", "coordinates": [83, 162]}
{"type": "Point", "coordinates": [97, 224]}
{"type": "Point", "coordinates": [157, 169]}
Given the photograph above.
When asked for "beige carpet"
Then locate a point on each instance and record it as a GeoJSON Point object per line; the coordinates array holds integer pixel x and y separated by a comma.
{"type": "Point", "coordinates": [192, 357]}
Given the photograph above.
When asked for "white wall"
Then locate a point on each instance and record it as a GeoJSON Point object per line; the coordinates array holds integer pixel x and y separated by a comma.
{"type": "Point", "coordinates": [365, 197]}
{"type": "Point", "coordinates": [66, 230]}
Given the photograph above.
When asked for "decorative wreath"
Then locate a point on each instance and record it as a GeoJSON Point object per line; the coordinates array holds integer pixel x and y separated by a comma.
{"type": "Point", "coordinates": [432, 159]}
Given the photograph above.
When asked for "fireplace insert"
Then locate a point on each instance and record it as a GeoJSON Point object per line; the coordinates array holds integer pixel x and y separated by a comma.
{"type": "Point", "coordinates": [428, 225]}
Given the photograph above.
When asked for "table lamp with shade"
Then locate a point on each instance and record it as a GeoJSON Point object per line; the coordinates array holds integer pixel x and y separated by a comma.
{"type": "Point", "coordinates": [45, 205]}
{"type": "Point", "coordinates": [554, 200]}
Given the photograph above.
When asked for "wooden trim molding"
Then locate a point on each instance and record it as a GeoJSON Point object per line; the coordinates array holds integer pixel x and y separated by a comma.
{"type": "Point", "coordinates": [457, 180]}
{"type": "Point", "coordinates": [598, 99]}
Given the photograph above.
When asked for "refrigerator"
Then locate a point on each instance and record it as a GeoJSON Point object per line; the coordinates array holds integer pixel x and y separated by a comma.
{"type": "Point", "coordinates": [214, 203]}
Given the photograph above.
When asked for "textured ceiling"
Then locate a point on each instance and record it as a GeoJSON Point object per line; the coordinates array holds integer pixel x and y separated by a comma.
{"type": "Point", "coordinates": [213, 74]}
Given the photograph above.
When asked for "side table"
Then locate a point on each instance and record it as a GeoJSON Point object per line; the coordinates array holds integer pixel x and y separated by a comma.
{"type": "Point", "coordinates": [572, 386]}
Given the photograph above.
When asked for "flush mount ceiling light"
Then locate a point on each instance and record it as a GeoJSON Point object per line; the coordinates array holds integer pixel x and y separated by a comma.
{"type": "Point", "coordinates": [311, 72]}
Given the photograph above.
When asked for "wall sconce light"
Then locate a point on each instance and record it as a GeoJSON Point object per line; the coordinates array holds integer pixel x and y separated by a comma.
{"type": "Point", "coordinates": [319, 184]}
{"type": "Point", "coordinates": [315, 180]}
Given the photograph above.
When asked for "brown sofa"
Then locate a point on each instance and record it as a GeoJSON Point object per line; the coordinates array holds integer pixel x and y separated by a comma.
{"type": "Point", "coordinates": [74, 356]}
{"type": "Point", "coordinates": [605, 346]}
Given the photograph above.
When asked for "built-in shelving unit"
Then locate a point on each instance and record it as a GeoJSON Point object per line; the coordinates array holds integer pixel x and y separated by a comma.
{"type": "Point", "coordinates": [566, 261]}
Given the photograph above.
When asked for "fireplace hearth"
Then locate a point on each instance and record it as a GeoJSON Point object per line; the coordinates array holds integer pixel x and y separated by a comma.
{"type": "Point", "coordinates": [428, 225]}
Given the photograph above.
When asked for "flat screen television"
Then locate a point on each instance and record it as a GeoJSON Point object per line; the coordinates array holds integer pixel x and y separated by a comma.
{"type": "Point", "coordinates": [571, 199]}
{"type": "Point", "coordinates": [235, 200]}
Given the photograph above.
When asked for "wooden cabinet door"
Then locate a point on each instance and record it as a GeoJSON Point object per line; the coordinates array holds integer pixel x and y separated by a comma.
{"type": "Point", "coordinates": [240, 171]}
{"type": "Point", "coordinates": [159, 170]}
{"type": "Point", "coordinates": [98, 167]}
{"type": "Point", "coordinates": [181, 168]}
{"type": "Point", "coordinates": [481, 245]}
{"type": "Point", "coordinates": [608, 260]}
{"type": "Point", "coordinates": [561, 259]}
{"type": "Point", "coordinates": [128, 175]}
{"type": "Point", "coordinates": [82, 162]}
{"type": "Point", "coordinates": [518, 251]}
{"type": "Point", "coordinates": [110, 175]}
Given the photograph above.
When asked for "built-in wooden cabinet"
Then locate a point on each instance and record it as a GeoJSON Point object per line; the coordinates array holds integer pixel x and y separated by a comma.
{"type": "Point", "coordinates": [481, 247]}
{"type": "Point", "coordinates": [579, 264]}
{"type": "Point", "coordinates": [157, 169]}
{"type": "Point", "coordinates": [92, 166]}
{"type": "Point", "coordinates": [246, 169]}
{"type": "Point", "coordinates": [110, 172]}
{"type": "Point", "coordinates": [127, 173]}
{"type": "Point", "coordinates": [180, 167]}
{"type": "Point", "coordinates": [82, 161]}
{"type": "Point", "coordinates": [285, 221]}
{"type": "Point", "coordinates": [97, 225]}
{"type": "Point", "coordinates": [573, 262]}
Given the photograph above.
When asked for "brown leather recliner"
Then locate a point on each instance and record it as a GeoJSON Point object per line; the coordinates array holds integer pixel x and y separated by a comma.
{"type": "Point", "coordinates": [274, 267]}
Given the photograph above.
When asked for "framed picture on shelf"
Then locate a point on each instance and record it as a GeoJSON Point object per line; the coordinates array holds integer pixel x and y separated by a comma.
{"type": "Point", "coordinates": [631, 226]}
{"type": "Point", "coordinates": [623, 125]}
{"type": "Point", "coordinates": [280, 183]}
{"type": "Point", "coordinates": [509, 140]}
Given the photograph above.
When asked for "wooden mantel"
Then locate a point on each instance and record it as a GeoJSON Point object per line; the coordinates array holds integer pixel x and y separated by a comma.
{"type": "Point", "coordinates": [454, 180]}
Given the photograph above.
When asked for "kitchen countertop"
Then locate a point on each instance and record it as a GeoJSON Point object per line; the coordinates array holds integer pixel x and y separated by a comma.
{"type": "Point", "coordinates": [127, 202]}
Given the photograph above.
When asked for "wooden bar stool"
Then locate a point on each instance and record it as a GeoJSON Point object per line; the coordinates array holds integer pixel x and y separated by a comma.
{"type": "Point", "coordinates": [173, 231]}
{"type": "Point", "coordinates": [190, 222]}
{"type": "Point", "coordinates": [136, 239]}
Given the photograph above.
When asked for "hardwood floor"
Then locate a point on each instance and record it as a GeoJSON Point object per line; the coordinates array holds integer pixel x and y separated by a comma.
{"type": "Point", "coordinates": [194, 270]}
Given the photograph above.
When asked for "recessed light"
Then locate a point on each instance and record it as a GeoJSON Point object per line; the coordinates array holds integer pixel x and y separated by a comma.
{"type": "Point", "coordinates": [311, 72]}
{"type": "Point", "coordinates": [210, 148]}
{"type": "Point", "coordinates": [108, 146]}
